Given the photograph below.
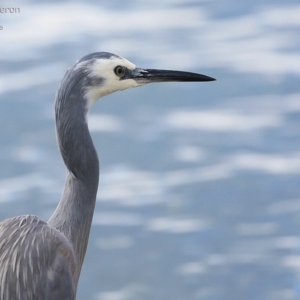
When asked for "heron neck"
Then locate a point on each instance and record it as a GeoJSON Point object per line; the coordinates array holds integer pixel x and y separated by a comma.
{"type": "Point", "coordinates": [74, 213]}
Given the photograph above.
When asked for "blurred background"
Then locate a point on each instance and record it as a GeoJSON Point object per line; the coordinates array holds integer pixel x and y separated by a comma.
{"type": "Point", "coordinates": [199, 194]}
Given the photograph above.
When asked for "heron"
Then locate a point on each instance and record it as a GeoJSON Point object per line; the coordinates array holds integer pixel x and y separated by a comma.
{"type": "Point", "coordinates": [42, 260]}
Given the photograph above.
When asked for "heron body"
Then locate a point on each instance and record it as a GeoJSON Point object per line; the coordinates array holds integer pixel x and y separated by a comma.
{"type": "Point", "coordinates": [42, 260]}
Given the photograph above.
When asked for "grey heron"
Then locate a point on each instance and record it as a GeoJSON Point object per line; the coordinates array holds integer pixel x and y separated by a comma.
{"type": "Point", "coordinates": [42, 260]}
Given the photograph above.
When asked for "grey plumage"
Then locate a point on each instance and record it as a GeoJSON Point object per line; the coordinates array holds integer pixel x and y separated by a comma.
{"type": "Point", "coordinates": [40, 260]}
{"type": "Point", "coordinates": [36, 255]}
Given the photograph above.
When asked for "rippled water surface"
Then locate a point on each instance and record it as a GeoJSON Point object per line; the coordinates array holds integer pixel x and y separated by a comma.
{"type": "Point", "coordinates": [199, 194]}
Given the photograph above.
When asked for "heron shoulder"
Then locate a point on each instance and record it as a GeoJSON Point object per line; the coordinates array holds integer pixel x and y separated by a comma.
{"type": "Point", "coordinates": [33, 252]}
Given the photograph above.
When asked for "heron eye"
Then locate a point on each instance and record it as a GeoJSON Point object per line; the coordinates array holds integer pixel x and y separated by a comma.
{"type": "Point", "coordinates": [119, 71]}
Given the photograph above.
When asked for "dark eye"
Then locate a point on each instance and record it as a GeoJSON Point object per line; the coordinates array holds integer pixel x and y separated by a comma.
{"type": "Point", "coordinates": [119, 71]}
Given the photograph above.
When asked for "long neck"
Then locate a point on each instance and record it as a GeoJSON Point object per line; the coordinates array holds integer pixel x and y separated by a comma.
{"type": "Point", "coordinates": [74, 213]}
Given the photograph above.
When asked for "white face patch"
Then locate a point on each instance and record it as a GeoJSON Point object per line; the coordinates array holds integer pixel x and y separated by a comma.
{"type": "Point", "coordinates": [104, 68]}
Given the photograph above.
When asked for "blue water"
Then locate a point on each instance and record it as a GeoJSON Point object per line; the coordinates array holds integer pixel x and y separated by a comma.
{"type": "Point", "coordinates": [199, 195]}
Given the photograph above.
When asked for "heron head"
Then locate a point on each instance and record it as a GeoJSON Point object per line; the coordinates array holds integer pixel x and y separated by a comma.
{"type": "Point", "coordinates": [105, 73]}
